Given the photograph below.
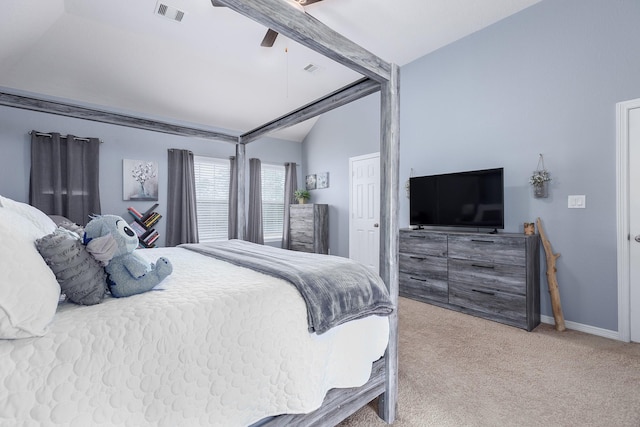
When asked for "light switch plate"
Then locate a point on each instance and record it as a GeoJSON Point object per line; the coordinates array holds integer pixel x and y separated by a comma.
{"type": "Point", "coordinates": [577, 202]}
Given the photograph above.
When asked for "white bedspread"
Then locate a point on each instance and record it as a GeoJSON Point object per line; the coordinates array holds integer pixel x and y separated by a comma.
{"type": "Point", "coordinates": [218, 345]}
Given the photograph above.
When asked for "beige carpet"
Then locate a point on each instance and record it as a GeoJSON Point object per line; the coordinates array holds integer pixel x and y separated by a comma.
{"type": "Point", "coordinates": [459, 370]}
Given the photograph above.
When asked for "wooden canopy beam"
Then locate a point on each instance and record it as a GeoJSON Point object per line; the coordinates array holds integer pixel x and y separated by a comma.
{"type": "Point", "coordinates": [86, 113]}
{"type": "Point", "coordinates": [308, 31]}
{"type": "Point", "coordinates": [389, 232]}
{"type": "Point", "coordinates": [343, 96]}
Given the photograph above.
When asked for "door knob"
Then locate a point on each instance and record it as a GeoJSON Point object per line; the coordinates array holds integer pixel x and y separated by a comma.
{"type": "Point", "coordinates": [376, 225]}
{"type": "Point", "coordinates": [637, 238]}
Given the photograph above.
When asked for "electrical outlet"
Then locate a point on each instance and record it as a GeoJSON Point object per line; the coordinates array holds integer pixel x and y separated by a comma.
{"type": "Point", "coordinates": [577, 202]}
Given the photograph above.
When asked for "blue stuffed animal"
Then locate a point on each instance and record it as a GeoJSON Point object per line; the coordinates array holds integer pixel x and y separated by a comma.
{"type": "Point", "coordinates": [128, 273]}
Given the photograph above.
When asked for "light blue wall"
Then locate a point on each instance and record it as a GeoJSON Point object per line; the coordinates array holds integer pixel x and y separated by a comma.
{"type": "Point", "coordinates": [350, 131]}
{"type": "Point", "coordinates": [119, 143]}
{"type": "Point", "coordinates": [545, 80]}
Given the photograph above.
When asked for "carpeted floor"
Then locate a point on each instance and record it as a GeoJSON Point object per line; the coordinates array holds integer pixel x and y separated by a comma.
{"type": "Point", "coordinates": [459, 370]}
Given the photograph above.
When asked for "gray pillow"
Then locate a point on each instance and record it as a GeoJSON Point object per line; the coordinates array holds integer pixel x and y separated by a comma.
{"type": "Point", "coordinates": [82, 279]}
{"type": "Point", "coordinates": [64, 222]}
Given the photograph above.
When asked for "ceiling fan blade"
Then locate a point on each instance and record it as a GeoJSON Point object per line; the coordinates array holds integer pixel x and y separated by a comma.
{"type": "Point", "coordinates": [216, 3]}
{"type": "Point", "coordinates": [307, 2]}
{"type": "Point", "coordinates": [269, 38]}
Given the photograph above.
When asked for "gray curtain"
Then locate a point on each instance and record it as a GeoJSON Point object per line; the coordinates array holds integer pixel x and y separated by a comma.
{"type": "Point", "coordinates": [64, 175]}
{"type": "Point", "coordinates": [254, 220]}
{"type": "Point", "coordinates": [182, 219]}
{"type": "Point", "coordinates": [290, 186]}
{"type": "Point", "coordinates": [233, 198]}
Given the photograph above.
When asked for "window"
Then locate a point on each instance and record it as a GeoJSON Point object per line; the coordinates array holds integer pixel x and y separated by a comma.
{"type": "Point", "coordinates": [212, 197]}
{"type": "Point", "coordinates": [272, 201]}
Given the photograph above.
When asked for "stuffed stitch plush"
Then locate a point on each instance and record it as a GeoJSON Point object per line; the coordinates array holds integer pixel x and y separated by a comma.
{"type": "Point", "coordinates": [128, 273]}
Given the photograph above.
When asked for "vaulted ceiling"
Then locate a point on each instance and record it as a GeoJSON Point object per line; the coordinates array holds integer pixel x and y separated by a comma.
{"type": "Point", "coordinates": [207, 67]}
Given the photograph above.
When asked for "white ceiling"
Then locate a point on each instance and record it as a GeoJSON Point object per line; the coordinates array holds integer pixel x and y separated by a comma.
{"type": "Point", "coordinates": [210, 70]}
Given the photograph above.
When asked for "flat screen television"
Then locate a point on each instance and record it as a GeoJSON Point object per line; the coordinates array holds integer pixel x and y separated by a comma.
{"type": "Point", "coordinates": [472, 199]}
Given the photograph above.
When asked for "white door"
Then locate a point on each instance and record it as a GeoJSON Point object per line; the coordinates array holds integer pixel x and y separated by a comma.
{"type": "Point", "coordinates": [634, 222]}
{"type": "Point", "coordinates": [364, 210]}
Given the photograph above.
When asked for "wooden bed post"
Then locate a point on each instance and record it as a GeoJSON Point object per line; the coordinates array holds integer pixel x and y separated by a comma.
{"type": "Point", "coordinates": [389, 188]}
{"type": "Point", "coordinates": [241, 172]}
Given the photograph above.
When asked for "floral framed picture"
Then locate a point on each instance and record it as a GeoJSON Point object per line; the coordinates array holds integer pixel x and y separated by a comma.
{"type": "Point", "coordinates": [322, 180]}
{"type": "Point", "coordinates": [139, 180]}
{"type": "Point", "coordinates": [310, 182]}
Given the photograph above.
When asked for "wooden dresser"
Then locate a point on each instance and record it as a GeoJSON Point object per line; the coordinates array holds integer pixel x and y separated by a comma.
{"type": "Point", "coordinates": [309, 228]}
{"type": "Point", "coordinates": [495, 276]}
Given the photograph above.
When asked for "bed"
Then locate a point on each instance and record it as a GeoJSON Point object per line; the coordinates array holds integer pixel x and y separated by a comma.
{"type": "Point", "coordinates": [215, 343]}
{"type": "Point", "coordinates": [339, 402]}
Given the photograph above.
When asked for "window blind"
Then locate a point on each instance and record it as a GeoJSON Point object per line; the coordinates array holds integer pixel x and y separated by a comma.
{"type": "Point", "coordinates": [272, 200]}
{"type": "Point", "coordinates": [212, 197]}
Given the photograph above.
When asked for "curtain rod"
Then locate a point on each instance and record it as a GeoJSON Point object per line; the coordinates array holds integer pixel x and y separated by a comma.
{"type": "Point", "coordinates": [62, 136]}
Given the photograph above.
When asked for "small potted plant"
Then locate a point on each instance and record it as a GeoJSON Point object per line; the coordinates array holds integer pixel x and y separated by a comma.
{"type": "Point", "coordinates": [301, 195]}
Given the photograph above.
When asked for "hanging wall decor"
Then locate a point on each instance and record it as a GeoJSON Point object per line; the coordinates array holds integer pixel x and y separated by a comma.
{"type": "Point", "coordinates": [539, 180]}
{"type": "Point", "coordinates": [407, 185]}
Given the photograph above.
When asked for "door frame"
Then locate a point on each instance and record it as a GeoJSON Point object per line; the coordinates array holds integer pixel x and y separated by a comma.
{"type": "Point", "coordinates": [622, 196]}
{"type": "Point", "coordinates": [351, 161]}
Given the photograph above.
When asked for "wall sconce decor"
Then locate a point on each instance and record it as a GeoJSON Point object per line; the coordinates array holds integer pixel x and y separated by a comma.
{"type": "Point", "coordinates": [408, 184]}
{"type": "Point", "coordinates": [540, 179]}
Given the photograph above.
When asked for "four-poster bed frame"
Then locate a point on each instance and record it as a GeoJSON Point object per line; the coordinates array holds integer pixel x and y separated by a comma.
{"type": "Point", "coordinates": [378, 76]}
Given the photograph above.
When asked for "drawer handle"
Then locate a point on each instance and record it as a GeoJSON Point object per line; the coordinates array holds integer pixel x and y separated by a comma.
{"type": "Point", "coordinates": [417, 236]}
{"type": "Point", "coordinates": [482, 241]}
{"type": "Point", "coordinates": [419, 280]}
{"type": "Point", "coordinates": [483, 292]}
{"type": "Point", "coordinates": [483, 266]}
{"type": "Point", "coordinates": [417, 257]}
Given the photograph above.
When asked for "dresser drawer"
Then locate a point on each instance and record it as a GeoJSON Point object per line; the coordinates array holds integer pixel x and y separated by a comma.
{"type": "Point", "coordinates": [423, 265]}
{"type": "Point", "coordinates": [491, 276]}
{"type": "Point", "coordinates": [301, 235]}
{"type": "Point", "coordinates": [302, 246]}
{"type": "Point", "coordinates": [301, 211]}
{"type": "Point", "coordinates": [493, 304]}
{"type": "Point", "coordinates": [426, 288]}
{"type": "Point", "coordinates": [302, 223]}
{"type": "Point", "coordinates": [501, 250]}
{"type": "Point", "coordinates": [432, 244]}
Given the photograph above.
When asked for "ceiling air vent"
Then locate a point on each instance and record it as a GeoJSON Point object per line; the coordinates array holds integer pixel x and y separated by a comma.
{"type": "Point", "coordinates": [311, 68]}
{"type": "Point", "coordinates": [169, 12]}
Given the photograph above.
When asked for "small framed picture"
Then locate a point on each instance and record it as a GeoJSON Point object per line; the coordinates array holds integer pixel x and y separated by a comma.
{"type": "Point", "coordinates": [139, 180]}
{"type": "Point", "coordinates": [322, 180]}
{"type": "Point", "coordinates": [311, 182]}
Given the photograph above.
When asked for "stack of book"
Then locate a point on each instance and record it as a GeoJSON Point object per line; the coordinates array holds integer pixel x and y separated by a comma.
{"type": "Point", "coordinates": [143, 224]}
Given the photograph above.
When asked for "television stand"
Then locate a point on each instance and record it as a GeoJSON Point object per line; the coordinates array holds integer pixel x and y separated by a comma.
{"type": "Point", "coordinates": [495, 231]}
{"type": "Point", "coordinates": [494, 276]}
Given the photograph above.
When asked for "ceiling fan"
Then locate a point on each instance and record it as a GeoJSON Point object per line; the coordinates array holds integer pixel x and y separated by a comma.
{"type": "Point", "coordinates": [270, 38]}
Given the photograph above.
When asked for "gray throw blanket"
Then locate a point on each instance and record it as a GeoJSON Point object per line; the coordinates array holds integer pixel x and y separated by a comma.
{"type": "Point", "coordinates": [335, 289]}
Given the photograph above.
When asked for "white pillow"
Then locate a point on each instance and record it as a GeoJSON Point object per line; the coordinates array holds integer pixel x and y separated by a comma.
{"type": "Point", "coordinates": [29, 291]}
{"type": "Point", "coordinates": [39, 219]}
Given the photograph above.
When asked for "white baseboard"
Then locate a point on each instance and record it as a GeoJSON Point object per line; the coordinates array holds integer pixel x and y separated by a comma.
{"type": "Point", "coordinates": [606, 333]}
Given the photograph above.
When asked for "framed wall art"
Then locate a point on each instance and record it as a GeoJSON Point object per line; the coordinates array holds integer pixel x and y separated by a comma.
{"type": "Point", "coordinates": [322, 180]}
{"type": "Point", "coordinates": [310, 182]}
{"type": "Point", "coordinates": [139, 180]}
